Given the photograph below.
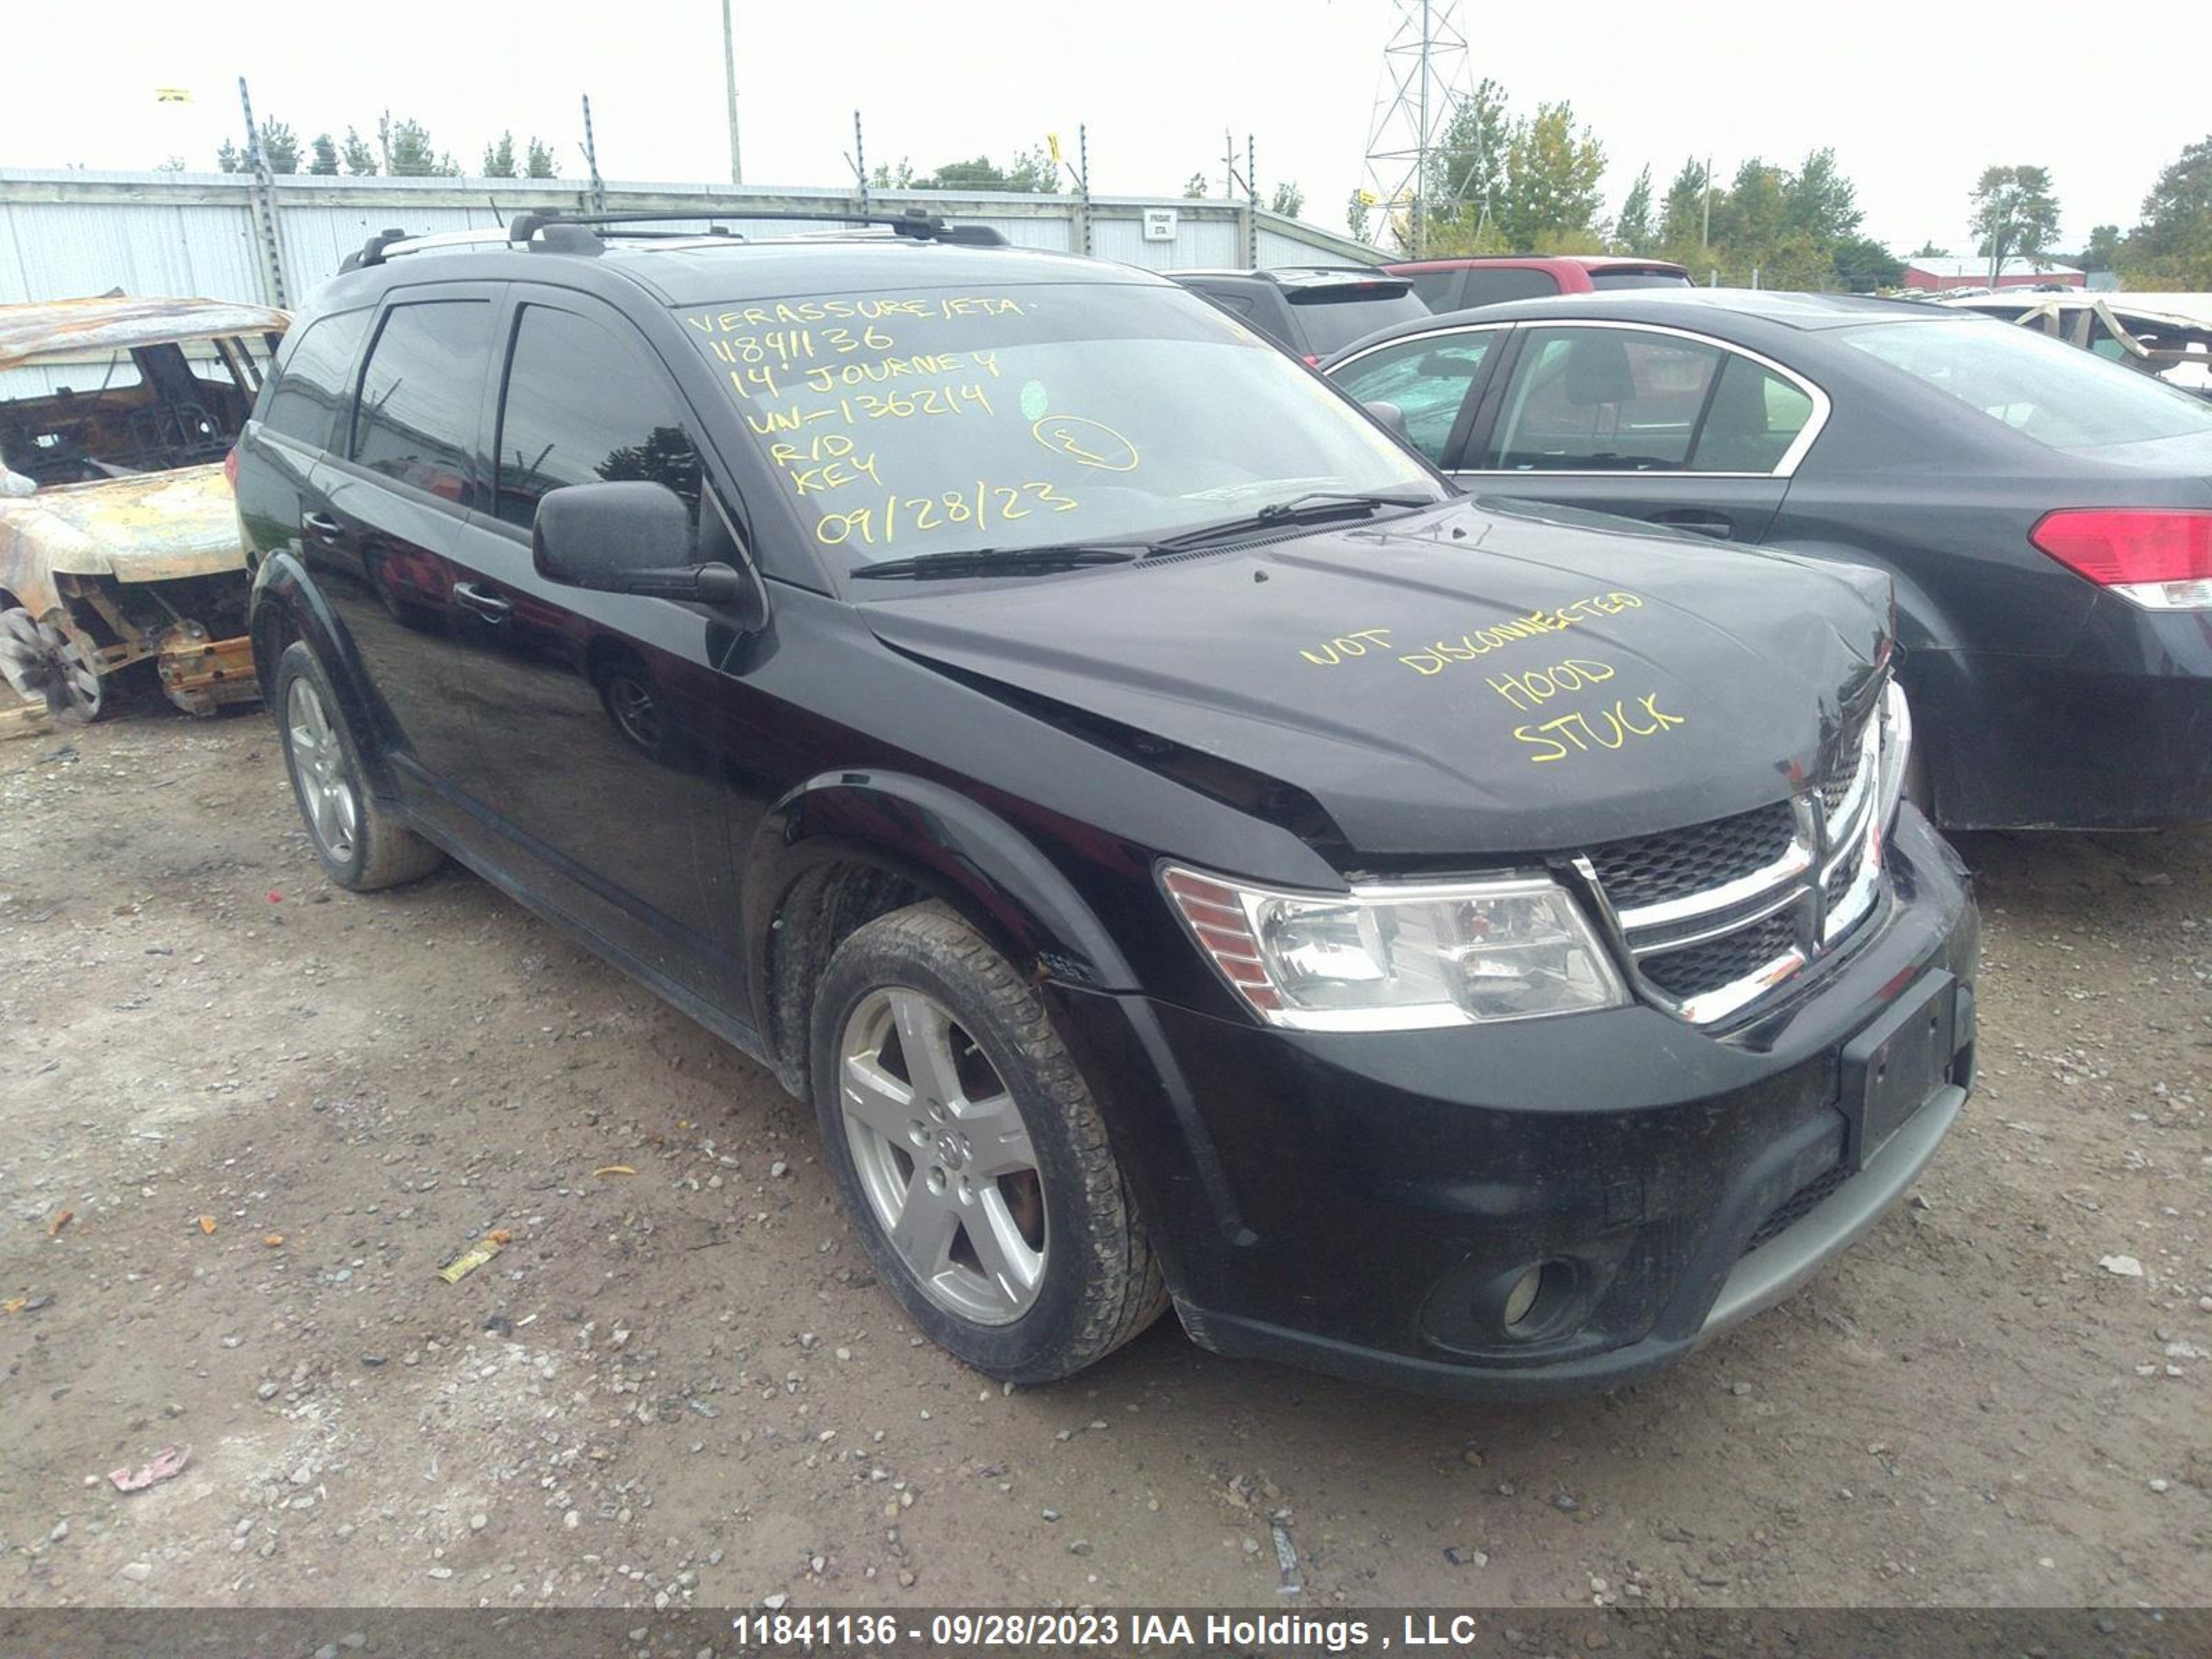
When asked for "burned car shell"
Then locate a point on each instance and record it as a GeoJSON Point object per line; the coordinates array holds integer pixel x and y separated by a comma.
{"type": "Point", "coordinates": [99, 573]}
{"type": "Point", "coordinates": [2167, 335]}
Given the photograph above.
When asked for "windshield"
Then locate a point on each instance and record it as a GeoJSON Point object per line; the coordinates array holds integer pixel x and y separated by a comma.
{"type": "Point", "coordinates": [913, 424]}
{"type": "Point", "coordinates": [2058, 395]}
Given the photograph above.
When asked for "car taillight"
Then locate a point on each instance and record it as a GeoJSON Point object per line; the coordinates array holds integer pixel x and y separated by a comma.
{"type": "Point", "coordinates": [230, 469]}
{"type": "Point", "coordinates": [2161, 558]}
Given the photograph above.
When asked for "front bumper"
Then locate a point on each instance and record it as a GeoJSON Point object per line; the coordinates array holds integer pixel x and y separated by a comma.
{"type": "Point", "coordinates": [1357, 1203]}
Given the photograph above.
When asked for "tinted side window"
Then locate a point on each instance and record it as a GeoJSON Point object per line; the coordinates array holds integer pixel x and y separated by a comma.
{"type": "Point", "coordinates": [1428, 379]}
{"type": "Point", "coordinates": [304, 400]}
{"type": "Point", "coordinates": [417, 421]}
{"type": "Point", "coordinates": [1604, 399]}
{"type": "Point", "coordinates": [581, 406]}
{"type": "Point", "coordinates": [1489, 287]}
{"type": "Point", "coordinates": [1439, 289]}
{"type": "Point", "coordinates": [1753, 417]}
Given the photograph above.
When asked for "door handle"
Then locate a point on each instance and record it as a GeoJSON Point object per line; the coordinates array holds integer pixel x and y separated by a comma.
{"type": "Point", "coordinates": [1703, 523]}
{"type": "Point", "coordinates": [489, 606]}
{"type": "Point", "coordinates": [319, 524]}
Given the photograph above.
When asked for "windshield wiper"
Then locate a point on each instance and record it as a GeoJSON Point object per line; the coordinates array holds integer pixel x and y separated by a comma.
{"type": "Point", "coordinates": [1315, 506]}
{"type": "Point", "coordinates": [1000, 560]}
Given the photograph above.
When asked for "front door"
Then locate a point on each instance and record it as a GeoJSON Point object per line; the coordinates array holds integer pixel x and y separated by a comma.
{"type": "Point", "coordinates": [1653, 424]}
{"type": "Point", "coordinates": [597, 745]}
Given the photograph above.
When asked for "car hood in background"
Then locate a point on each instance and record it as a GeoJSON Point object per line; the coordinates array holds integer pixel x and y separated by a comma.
{"type": "Point", "coordinates": [155, 527]}
{"type": "Point", "coordinates": [1485, 678]}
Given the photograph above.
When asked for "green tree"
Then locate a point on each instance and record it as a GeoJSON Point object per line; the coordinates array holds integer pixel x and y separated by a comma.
{"type": "Point", "coordinates": [359, 158]}
{"type": "Point", "coordinates": [413, 156]}
{"type": "Point", "coordinates": [279, 146]}
{"type": "Point", "coordinates": [326, 156]}
{"type": "Point", "coordinates": [1682, 217]}
{"type": "Point", "coordinates": [1820, 202]}
{"type": "Point", "coordinates": [1193, 188]}
{"type": "Point", "coordinates": [1863, 264]}
{"type": "Point", "coordinates": [499, 158]}
{"type": "Point", "coordinates": [886, 175]}
{"type": "Point", "coordinates": [1552, 169]}
{"type": "Point", "coordinates": [1288, 199]}
{"type": "Point", "coordinates": [2103, 251]}
{"type": "Point", "coordinates": [230, 158]}
{"type": "Point", "coordinates": [1633, 229]}
{"type": "Point", "coordinates": [538, 162]}
{"type": "Point", "coordinates": [1031, 172]}
{"type": "Point", "coordinates": [2171, 247]}
{"type": "Point", "coordinates": [1751, 220]}
{"type": "Point", "coordinates": [1467, 170]}
{"type": "Point", "coordinates": [1358, 214]}
{"type": "Point", "coordinates": [1930, 250]}
{"type": "Point", "coordinates": [1034, 171]}
{"type": "Point", "coordinates": [2014, 213]}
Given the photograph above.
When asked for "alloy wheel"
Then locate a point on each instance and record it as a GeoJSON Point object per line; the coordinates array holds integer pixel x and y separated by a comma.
{"type": "Point", "coordinates": [39, 661]}
{"type": "Point", "coordinates": [327, 789]}
{"type": "Point", "coordinates": [944, 1156]}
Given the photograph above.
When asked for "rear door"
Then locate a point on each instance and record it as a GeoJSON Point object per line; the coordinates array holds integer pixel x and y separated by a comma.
{"type": "Point", "coordinates": [1658, 424]}
{"type": "Point", "coordinates": [392, 502]}
{"type": "Point", "coordinates": [596, 729]}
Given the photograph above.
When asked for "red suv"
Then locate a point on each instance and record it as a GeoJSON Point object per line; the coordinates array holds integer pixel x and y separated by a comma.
{"type": "Point", "coordinates": [1456, 284]}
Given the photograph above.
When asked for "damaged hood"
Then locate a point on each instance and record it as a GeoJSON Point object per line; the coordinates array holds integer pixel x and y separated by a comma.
{"type": "Point", "coordinates": [154, 527]}
{"type": "Point", "coordinates": [1484, 678]}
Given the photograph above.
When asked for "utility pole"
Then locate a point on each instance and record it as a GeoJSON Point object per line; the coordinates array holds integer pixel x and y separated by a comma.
{"type": "Point", "coordinates": [1705, 235]}
{"type": "Point", "coordinates": [591, 160]}
{"type": "Point", "coordinates": [730, 75]}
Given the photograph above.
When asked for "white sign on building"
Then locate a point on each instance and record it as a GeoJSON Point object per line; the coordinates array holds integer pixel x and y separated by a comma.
{"type": "Point", "coordinates": [1159, 224]}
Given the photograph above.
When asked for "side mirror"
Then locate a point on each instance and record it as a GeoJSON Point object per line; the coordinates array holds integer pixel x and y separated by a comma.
{"type": "Point", "coordinates": [599, 535]}
{"type": "Point", "coordinates": [1393, 418]}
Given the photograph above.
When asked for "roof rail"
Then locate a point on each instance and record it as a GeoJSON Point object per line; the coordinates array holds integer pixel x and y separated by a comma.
{"type": "Point", "coordinates": [371, 253]}
{"type": "Point", "coordinates": [915, 223]}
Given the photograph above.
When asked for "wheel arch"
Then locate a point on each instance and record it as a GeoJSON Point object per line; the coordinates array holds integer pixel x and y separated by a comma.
{"type": "Point", "coordinates": [843, 847]}
{"type": "Point", "coordinates": [287, 607]}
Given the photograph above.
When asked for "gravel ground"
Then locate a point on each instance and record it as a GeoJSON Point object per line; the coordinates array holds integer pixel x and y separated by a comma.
{"type": "Point", "coordinates": [247, 1117]}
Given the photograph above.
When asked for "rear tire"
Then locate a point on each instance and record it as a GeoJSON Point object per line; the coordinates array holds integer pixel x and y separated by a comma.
{"type": "Point", "coordinates": [360, 840]}
{"type": "Point", "coordinates": [977, 1174]}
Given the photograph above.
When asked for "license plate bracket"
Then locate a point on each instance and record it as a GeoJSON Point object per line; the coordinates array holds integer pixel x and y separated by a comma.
{"type": "Point", "coordinates": [1891, 1068]}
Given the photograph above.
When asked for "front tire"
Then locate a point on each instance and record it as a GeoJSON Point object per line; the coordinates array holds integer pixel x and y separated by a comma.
{"type": "Point", "coordinates": [359, 840]}
{"type": "Point", "coordinates": [970, 1154]}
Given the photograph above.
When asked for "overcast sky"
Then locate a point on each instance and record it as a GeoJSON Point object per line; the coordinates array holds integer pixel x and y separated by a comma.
{"type": "Point", "coordinates": [1916, 100]}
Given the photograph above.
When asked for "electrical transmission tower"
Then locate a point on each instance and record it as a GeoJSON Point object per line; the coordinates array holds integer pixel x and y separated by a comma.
{"type": "Point", "coordinates": [1424, 76]}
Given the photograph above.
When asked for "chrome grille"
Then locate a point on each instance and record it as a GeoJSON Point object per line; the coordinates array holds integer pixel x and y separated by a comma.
{"type": "Point", "coordinates": [1717, 914]}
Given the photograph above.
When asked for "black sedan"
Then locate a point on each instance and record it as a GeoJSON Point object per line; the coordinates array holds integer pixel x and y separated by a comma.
{"type": "Point", "coordinates": [2046, 515]}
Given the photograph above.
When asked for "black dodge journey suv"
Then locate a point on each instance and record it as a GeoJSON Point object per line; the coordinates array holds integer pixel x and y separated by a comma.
{"type": "Point", "coordinates": [1185, 851]}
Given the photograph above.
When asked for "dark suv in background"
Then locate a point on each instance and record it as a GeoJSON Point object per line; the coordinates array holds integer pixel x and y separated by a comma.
{"type": "Point", "coordinates": [1460, 285]}
{"type": "Point", "coordinates": [1309, 311]}
{"type": "Point", "coordinates": [1182, 847]}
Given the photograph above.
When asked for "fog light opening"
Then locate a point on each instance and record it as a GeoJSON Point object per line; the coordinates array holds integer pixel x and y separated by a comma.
{"type": "Point", "coordinates": [1523, 1297]}
{"type": "Point", "coordinates": [1534, 1299]}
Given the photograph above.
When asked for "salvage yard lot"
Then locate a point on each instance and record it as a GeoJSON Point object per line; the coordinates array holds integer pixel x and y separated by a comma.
{"type": "Point", "coordinates": [678, 1380]}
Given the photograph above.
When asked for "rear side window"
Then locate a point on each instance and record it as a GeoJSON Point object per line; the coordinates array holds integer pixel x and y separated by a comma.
{"type": "Point", "coordinates": [1489, 288]}
{"type": "Point", "coordinates": [1753, 417]}
{"type": "Point", "coordinates": [2061, 397]}
{"type": "Point", "coordinates": [582, 405]}
{"type": "Point", "coordinates": [420, 395]}
{"type": "Point", "coordinates": [1428, 379]}
{"type": "Point", "coordinates": [308, 394]}
{"type": "Point", "coordinates": [1605, 400]}
{"type": "Point", "coordinates": [1436, 289]}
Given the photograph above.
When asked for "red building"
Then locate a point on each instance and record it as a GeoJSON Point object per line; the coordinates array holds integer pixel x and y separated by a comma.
{"type": "Point", "coordinates": [1940, 274]}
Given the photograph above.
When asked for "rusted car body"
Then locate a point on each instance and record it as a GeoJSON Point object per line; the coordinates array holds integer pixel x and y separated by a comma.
{"type": "Point", "coordinates": [118, 537]}
{"type": "Point", "coordinates": [2167, 335]}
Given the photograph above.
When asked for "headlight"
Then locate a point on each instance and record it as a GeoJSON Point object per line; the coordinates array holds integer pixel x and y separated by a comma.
{"type": "Point", "coordinates": [1388, 958]}
{"type": "Point", "coordinates": [1896, 752]}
